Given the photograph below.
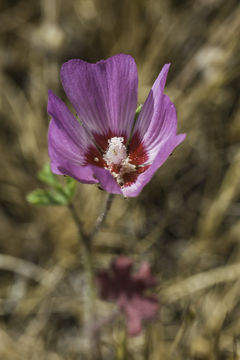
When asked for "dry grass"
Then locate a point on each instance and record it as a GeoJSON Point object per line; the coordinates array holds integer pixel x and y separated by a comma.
{"type": "Point", "coordinates": [185, 222]}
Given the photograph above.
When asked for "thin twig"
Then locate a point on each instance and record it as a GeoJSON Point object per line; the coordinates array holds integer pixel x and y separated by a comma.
{"type": "Point", "coordinates": [200, 281]}
{"type": "Point", "coordinates": [23, 267]}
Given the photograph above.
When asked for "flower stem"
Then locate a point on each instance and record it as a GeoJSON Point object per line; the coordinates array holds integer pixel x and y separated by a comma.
{"type": "Point", "coordinates": [86, 243]}
{"type": "Point", "coordinates": [102, 216]}
{"type": "Point", "coordinates": [87, 262]}
{"type": "Point", "coordinates": [122, 346]}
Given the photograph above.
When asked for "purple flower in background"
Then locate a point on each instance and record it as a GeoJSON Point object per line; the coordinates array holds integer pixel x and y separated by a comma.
{"type": "Point", "coordinates": [118, 285]}
{"type": "Point", "coordinates": [106, 146]}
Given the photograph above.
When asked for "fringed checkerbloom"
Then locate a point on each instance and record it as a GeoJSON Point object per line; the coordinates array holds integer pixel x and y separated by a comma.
{"type": "Point", "coordinates": [105, 145]}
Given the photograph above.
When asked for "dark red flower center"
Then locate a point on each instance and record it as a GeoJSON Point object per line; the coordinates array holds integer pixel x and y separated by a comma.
{"type": "Point", "coordinates": [124, 161]}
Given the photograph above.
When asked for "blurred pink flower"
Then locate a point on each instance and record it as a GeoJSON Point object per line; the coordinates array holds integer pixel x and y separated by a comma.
{"type": "Point", "coordinates": [118, 285]}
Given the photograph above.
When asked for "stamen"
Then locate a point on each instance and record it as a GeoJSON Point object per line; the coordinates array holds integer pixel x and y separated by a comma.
{"type": "Point", "coordinates": [117, 160]}
{"type": "Point", "coordinates": [116, 151]}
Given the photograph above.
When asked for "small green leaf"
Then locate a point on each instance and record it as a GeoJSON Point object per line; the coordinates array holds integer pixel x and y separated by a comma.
{"type": "Point", "coordinates": [58, 194]}
{"type": "Point", "coordinates": [47, 197]}
{"type": "Point", "coordinates": [70, 187]}
{"type": "Point", "coordinates": [46, 175]}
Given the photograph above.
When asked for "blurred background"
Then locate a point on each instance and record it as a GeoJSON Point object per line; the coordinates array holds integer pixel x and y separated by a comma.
{"type": "Point", "coordinates": [186, 220]}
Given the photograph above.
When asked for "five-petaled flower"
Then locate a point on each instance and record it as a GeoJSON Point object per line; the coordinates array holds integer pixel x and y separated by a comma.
{"type": "Point", "coordinates": [119, 285]}
{"type": "Point", "coordinates": [107, 146]}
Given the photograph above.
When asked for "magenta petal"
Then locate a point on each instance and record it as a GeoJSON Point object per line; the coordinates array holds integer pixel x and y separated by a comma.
{"type": "Point", "coordinates": [147, 307]}
{"type": "Point", "coordinates": [68, 126]}
{"type": "Point", "coordinates": [164, 151]}
{"type": "Point", "coordinates": [138, 309]}
{"type": "Point", "coordinates": [122, 266]}
{"type": "Point", "coordinates": [106, 180]}
{"type": "Point", "coordinates": [67, 141]}
{"type": "Point", "coordinates": [151, 110]}
{"type": "Point", "coordinates": [134, 325]}
{"type": "Point", "coordinates": [104, 94]}
{"type": "Point", "coordinates": [162, 127]}
{"type": "Point", "coordinates": [156, 128]}
{"type": "Point", "coordinates": [84, 174]}
{"type": "Point", "coordinates": [145, 276]}
{"type": "Point", "coordinates": [61, 148]}
{"type": "Point", "coordinates": [63, 164]}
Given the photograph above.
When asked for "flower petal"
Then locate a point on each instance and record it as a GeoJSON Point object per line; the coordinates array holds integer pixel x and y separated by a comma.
{"type": "Point", "coordinates": [150, 115]}
{"type": "Point", "coordinates": [146, 305]}
{"type": "Point", "coordinates": [67, 142]}
{"type": "Point", "coordinates": [83, 174]}
{"type": "Point", "coordinates": [104, 94]}
{"type": "Point", "coordinates": [137, 309]}
{"type": "Point", "coordinates": [145, 276]}
{"type": "Point", "coordinates": [156, 128]}
{"type": "Point", "coordinates": [106, 180]}
{"type": "Point", "coordinates": [122, 266]}
{"type": "Point", "coordinates": [134, 325]}
{"type": "Point", "coordinates": [62, 163]}
{"type": "Point", "coordinates": [66, 122]}
{"type": "Point", "coordinates": [162, 127]}
{"type": "Point", "coordinates": [164, 151]}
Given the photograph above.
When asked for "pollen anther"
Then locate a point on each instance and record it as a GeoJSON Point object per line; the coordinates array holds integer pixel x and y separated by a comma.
{"type": "Point", "coordinates": [116, 151]}
{"type": "Point", "coordinates": [116, 157]}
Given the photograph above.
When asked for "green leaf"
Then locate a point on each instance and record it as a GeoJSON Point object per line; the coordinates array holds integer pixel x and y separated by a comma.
{"type": "Point", "coordinates": [70, 187]}
{"type": "Point", "coordinates": [46, 176]}
{"type": "Point", "coordinates": [58, 193]}
{"type": "Point", "coordinates": [47, 197]}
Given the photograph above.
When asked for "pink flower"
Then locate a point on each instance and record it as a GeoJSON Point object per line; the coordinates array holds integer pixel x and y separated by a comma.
{"type": "Point", "coordinates": [119, 285]}
{"type": "Point", "coordinates": [107, 146]}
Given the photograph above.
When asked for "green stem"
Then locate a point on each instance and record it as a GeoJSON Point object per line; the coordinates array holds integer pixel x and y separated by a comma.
{"type": "Point", "coordinates": [122, 346]}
